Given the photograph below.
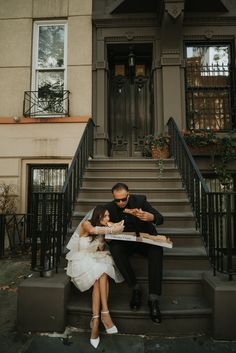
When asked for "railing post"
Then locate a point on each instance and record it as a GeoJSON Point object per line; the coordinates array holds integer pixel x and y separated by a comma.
{"type": "Point", "coordinates": [2, 235]}
{"type": "Point", "coordinates": [229, 254]}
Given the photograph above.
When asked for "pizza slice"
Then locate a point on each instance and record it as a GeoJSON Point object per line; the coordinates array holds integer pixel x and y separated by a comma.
{"type": "Point", "coordinates": [132, 211]}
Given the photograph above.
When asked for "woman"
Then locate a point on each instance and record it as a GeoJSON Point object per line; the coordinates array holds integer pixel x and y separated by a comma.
{"type": "Point", "coordinates": [90, 264]}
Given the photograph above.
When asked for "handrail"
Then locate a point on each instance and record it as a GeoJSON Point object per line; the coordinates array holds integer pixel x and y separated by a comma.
{"type": "Point", "coordinates": [191, 176]}
{"type": "Point", "coordinates": [53, 210]}
{"type": "Point", "coordinates": [214, 211]}
{"type": "Point", "coordinates": [75, 173]}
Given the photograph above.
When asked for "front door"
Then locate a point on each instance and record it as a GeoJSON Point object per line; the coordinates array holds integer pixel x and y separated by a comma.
{"type": "Point", "coordinates": [130, 105]}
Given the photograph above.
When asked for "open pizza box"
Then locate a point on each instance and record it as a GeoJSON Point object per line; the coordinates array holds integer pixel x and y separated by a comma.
{"type": "Point", "coordinates": [160, 240]}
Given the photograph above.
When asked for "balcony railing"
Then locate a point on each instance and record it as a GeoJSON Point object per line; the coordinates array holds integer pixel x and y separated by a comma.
{"type": "Point", "coordinates": [45, 103]}
{"type": "Point", "coordinates": [215, 212]}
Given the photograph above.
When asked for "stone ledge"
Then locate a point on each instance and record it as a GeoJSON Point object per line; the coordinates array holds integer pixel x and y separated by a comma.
{"type": "Point", "coordinates": [221, 295]}
{"type": "Point", "coordinates": [41, 303]}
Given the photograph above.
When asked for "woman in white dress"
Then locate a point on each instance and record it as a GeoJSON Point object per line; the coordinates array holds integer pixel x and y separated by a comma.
{"type": "Point", "coordinates": [90, 264]}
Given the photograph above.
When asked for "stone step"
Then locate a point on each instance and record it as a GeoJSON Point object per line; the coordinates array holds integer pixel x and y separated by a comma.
{"type": "Point", "coordinates": [150, 193]}
{"type": "Point", "coordinates": [183, 237]}
{"type": "Point", "coordinates": [168, 205]}
{"type": "Point", "coordinates": [175, 282]}
{"type": "Point", "coordinates": [171, 220]}
{"type": "Point", "coordinates": [133, 182]}
{"type": "Point", "coordinates": [154, 172]}
{"type": "Point", "coordinates": [128, 162]}
{"type": "Point", "coordinates": [178, 258]}
{"type": "Point", "coordinates": [180, 314]}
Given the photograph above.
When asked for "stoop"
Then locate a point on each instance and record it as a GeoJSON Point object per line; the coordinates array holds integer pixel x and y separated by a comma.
{"type": "Point", "coordinates": [221, 294]}
{"type": "Point", "coordinates": [41, 303]}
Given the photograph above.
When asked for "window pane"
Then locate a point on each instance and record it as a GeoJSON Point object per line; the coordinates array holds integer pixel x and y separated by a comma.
{"type": "Point", "coordinates": [50, 81]}
{"type": "Point", "coordinates": [48, 179]}
{"type": "Point", "coordinates": [50, 92]}
{"type": "Point", "coordinates": [51, 46]}
{"type": "Point", "coordinates": [208, 57]}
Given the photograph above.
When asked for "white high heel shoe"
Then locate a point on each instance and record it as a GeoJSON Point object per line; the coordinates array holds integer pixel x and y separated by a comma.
{"type": "Point", "coordinates": [109, 330]}
{"type": "Point", "coordinates": [94, 341]}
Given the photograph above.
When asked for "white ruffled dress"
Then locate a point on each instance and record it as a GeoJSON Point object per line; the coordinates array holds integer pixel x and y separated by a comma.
{"type": "Point", "coordinates": [86, 263]}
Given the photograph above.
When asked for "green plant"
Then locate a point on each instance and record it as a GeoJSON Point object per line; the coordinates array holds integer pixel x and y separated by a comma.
{"type": "Point", "coordinates": [160, 166]}
{"type": "Point", "coordinates": [221, 149]}
{"type": "Point", "coordinates": [198, 138]}
{"type": "Point", "coordinates": [223, 153]}
{"type": "Point", "coordinates": [152, 141]}
{"type": "Point", "coordinates": [7, 198]}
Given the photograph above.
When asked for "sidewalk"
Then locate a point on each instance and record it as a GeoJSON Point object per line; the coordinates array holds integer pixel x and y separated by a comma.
{"type": "Point", "coordinates": [13, 271]}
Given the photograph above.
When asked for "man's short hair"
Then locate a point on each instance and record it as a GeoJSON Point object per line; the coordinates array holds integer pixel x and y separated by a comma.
{"type": "Point", "coordinates": [120, 186]}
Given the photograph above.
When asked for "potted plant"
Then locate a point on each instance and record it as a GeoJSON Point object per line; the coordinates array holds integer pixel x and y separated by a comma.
{"type": "Point", "coordinates": [198, 140]}
{"type": "Point", "coordinates": [157, 146]}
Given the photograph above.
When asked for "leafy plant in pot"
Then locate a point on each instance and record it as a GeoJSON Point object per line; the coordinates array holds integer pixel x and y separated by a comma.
{"type": "Point", "coordinates": [157, 146]}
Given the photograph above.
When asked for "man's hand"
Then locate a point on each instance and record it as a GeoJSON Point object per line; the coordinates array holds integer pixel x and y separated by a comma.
{"type": "Point", "coordinates": [145, 216]}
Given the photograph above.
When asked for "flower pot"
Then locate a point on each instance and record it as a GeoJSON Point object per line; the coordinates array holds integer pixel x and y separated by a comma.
{"type": "Point", "coordinates": [160, 153]}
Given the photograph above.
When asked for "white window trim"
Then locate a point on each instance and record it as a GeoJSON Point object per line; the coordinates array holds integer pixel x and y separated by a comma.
{"type": "Point", "coordinates": [37, 25]}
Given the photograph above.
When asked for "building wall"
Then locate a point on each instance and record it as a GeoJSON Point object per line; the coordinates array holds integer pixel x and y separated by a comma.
{"type": "Point", "coordinates": [29, 141]}
{"type": "Point", "coordinates": [167, 31]}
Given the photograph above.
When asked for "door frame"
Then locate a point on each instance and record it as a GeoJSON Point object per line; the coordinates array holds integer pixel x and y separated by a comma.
{"type": "Point", "coordinates": [130, 83]}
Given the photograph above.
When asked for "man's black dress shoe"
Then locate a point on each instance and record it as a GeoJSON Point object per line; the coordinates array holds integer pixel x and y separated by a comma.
{"type": "Point", "coordinates": [155, 311]}
{"type": "Point", "coordinates": [135, 301]}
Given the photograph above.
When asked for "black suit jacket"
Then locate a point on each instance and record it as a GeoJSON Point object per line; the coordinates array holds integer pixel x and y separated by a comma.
{"type": "Point", "coordinates": [132, 223]}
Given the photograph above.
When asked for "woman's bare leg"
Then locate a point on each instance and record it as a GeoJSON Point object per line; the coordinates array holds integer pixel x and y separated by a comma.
{"type": "Point", "coordinates": [96, 300]}
{"type": "Point", "coordinates": [104, 291]}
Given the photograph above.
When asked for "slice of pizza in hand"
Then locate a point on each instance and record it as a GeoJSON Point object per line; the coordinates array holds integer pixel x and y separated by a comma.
{"type": "Point", "coordinates": [111, 224]}
{"type": "Point", "coordinates": [133, 211]}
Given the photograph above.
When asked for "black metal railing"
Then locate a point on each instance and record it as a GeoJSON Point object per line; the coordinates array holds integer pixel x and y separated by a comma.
{"type": "Point", "coordinates": [53, 210]}
{"type": "Point", "coordinates": [215, 212]}
{"type": "Point", "coordinates": [15, 234]}
{"type": "Point", "coordinates": [46, 103]}
{"type": "Point", "coordinates": [75, 173]}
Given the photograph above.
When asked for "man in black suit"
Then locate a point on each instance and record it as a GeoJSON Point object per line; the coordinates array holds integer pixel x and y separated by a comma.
{"type": "Point", "coordinates": [144, 221]}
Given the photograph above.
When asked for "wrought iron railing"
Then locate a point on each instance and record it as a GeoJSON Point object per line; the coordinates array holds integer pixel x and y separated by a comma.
{"type": "Point", "coordinates": [215, 212]}
{"type": "Point", "coordinates": [15, 234]}
{"type": "Point", "coordinates": [53, 210]}
{"type": "Point", "coordinates": [46, 103]}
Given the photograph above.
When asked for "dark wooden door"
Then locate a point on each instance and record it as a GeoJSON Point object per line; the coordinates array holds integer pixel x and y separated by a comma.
{"type": "Point", "coordinates": [131, 109]}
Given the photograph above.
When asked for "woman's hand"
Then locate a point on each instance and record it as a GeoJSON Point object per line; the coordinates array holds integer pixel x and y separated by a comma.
{"type": "Point", "coordinates": [117, 229]}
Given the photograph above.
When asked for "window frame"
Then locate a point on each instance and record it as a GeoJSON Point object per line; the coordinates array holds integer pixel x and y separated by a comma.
{"type": "Point", "coordinates": [201, 43]}
{"type": "Point", "coordinates": [35, 50]}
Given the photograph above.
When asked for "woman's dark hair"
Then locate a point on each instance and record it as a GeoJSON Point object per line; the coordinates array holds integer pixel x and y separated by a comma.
{"type": "Point", "coordinates": [97, 216]}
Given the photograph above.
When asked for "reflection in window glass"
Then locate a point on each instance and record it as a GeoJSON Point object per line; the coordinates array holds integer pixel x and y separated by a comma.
{"type": "Point", "coordinates": [51, 46]}
{"type": "Point", "coordinates": [50, 80]}
{"type": "Point", "coordinates": [214, 60]}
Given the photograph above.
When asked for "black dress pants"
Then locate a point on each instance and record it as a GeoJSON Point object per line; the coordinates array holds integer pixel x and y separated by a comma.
{"type": "Point", "coordinates": [121, 251]}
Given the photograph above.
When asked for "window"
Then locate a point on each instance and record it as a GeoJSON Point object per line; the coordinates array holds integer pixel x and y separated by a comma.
{"type": "Point", "coordinates": [209, 86]}
{"type": "Point", "coordinates": [49, 67]}
{"type": "Point", "coordinates": [44, 188]}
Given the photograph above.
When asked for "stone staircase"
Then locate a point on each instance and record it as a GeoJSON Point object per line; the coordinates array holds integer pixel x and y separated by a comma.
{"type": "Point", "coordinates": [183, 304]}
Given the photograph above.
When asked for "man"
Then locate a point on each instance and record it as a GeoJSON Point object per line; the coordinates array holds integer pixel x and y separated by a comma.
{"type": "Point", "coordinates": [143, 221]}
